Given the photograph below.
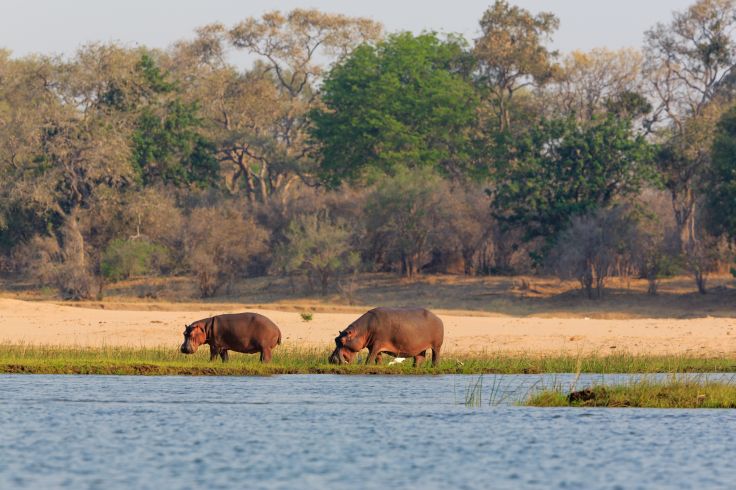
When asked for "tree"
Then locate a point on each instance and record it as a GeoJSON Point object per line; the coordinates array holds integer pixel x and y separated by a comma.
{"type": "Point", "coordinates": [168, 145]}
{"type": "Point", "coordinates": [721, 179]}
{"type": "Point", "coordinates": [560, 169]}
{"type": "Point", "coordinates": [406, 102]}
{"type": "Point", "coordinates": [687, 62]}
{"type": "Point", "coordinates": [511, 54]}
{"type": "Point", "coordinates": [259, 117]}
{"type": "Point", "coordinates": [73, 144]}
{"type": "Point", "coordinates": [590, 84]}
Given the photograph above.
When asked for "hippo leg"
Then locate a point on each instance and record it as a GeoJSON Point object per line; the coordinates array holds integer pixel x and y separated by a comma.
{"type": "Point", "coordinates": [435, 355]}
{"type": "Point", "coordinates": [224, 356]}
{"type": "Point", "coordinates": [419, 358]}
{"type": "Point", "coordinates": [266, 355]}
{"type": "Point", "coordinates": [379, 358]}
{"type": "Point", "coordinates": [373, 354]}
{"type": "Point", "coordinates": [213, 353]}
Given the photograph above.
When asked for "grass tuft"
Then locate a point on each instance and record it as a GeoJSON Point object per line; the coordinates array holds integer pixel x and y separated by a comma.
{"type": "Point", "coordinates": [644, 393]}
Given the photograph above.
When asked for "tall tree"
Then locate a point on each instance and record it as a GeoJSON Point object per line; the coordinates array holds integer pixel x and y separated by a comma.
{"type": "Point", "coordinates": [511, 54]}
{"type": "Point", "coordinates": [406, 102]}
{"type": "Point", "coordinates": [687, 61]}
{"type": "Point", "coordinates": [74, 144]}
{"type": "Point", "coordinates": [721, 181]}
{"type": "Point", "coordinates": [260, 115]}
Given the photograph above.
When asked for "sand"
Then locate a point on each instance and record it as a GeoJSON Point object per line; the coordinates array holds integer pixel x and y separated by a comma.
{"type": "Point", "coordinates": [46, 323]}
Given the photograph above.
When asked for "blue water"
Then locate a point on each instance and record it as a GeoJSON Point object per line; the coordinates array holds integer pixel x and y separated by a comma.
{"type": "Point", "coordinates": [346, 432]}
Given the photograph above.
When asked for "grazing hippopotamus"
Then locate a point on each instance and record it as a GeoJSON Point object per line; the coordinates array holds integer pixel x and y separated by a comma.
{"type": "Point", "coordinates": [242, 332]}
{"type": "Point", "coordinates": [400, 332]}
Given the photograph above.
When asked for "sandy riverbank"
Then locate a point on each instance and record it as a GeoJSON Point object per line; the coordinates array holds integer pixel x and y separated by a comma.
{"type": "Point", "coordinates": [54, 324]}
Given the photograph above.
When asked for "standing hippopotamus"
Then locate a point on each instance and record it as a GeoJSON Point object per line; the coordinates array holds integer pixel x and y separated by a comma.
{"type": "Point", "coordinates": [401, 332]}
{"type": "Point", "coordinates": [241, 332]}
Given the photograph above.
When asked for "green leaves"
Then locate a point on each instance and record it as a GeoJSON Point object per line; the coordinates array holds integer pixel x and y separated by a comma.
{"type": "Point", "coordinates": [559, 169]}
{"type": "Point", "coordinates": [168, 148]}
{"type": "Point", "coordinates": [721, 179]}
{"type": "Point", "coordinates": [405, 102]}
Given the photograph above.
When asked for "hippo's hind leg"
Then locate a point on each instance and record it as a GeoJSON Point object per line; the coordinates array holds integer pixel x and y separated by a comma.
{"type": "Point", "coordinates": [419, 358]}
{"type": "Point", "coordinates": [266, 355]}
{"type": "Point", "coordinates": [224, 356]}
{"type": "Point", "coordinates": [435, 355]}
{"type": "Point", "coordinates": [379, 358]}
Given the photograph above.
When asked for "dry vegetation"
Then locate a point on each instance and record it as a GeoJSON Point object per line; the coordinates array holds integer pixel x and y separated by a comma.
{"type": "Point", "coordinates": [517, 296]}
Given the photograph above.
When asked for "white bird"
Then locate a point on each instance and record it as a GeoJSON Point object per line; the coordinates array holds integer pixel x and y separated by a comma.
{"type": "Point", "coordinates": [397, 360]}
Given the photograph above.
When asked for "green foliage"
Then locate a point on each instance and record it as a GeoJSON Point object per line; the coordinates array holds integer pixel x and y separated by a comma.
{"type": "Point", "coordinates": [168, 148]}
{"type": "Point", "coordinates": [405, 102]}
{"type": "Point", "coordinates": [559, 169]}
{"type": "Point", "coordinates": [155, 79]}
{"type": "Point", "coordinates": [307, 316]}
{"type": "Point", "coordinates": [675, 392]}
{"type": "Point", "coordinates": [125, 258]}
{"type": "Point", "coordinates": [721, 180]}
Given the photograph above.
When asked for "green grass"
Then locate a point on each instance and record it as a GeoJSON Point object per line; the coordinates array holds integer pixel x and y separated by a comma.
{"type": "Point", "coordinates": [644, 393]}
{"type": "Point", "coordinates": [16, 358]}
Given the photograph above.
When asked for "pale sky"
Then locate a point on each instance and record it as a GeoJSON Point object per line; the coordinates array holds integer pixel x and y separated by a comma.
{"type": "Point", "coordinates": [60, 26]}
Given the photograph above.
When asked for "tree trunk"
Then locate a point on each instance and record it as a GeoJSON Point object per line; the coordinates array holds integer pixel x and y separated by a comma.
{"type": "Point", "coordinates": [683, 204]}
{"type": "Point", "coordinates": [73, 241]}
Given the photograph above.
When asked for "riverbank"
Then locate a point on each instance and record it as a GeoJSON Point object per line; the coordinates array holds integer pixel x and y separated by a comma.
{"type": "Point", "coordinates": [111, 360]}
{"type": "Point", "coordinates": [160, 325]}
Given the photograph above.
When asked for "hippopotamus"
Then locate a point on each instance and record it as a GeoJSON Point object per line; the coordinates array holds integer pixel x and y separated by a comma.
{"type": "Point", "coordinates": [400, 332]}
{"type": "Point", "coordinates": [242, 332]}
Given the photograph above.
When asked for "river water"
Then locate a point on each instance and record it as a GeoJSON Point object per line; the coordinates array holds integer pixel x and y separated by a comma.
{"type": "Point", "coordinates": [314, 431]}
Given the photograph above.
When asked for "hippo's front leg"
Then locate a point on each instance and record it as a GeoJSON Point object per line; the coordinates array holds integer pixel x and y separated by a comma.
{"type": "Point", "coordinates": [213, 353]}
{"type": "Point", "coordinates": [373, 355]}
{"type": "Point", "coordinates": [224, 356]}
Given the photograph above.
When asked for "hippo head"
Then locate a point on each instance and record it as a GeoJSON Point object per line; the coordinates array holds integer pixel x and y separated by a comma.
{"type": "Point", "coordinates": [348, 343]}
{"type": "Point", "coordinates": [194, 336]}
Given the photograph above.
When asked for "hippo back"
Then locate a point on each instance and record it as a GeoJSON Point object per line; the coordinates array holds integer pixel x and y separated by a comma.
{"type": "Point", "coordinates": [409, 327]}
{"type": "Point", "coordinates": [246, 329]}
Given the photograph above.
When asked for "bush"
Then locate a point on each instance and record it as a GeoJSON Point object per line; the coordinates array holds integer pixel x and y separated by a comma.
{"type": "Point", "coordinates": [220, 245]}
{"type": "Point", "coordinates": [403, 217]}
{"type": "Point", "coordinates": [655, 247]}
{"type": "Point", "coordinates": [47, 264]}
{"type": "Point", "coordinates": [318, 247]}
{"type": "Point", "coordinates": [588, 249]}
{"type": "Point", "coordinates": [125, 258]}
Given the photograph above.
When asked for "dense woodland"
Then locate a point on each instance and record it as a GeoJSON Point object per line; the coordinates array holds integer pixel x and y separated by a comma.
{"type": "Point", "coordinates": [345, 149]}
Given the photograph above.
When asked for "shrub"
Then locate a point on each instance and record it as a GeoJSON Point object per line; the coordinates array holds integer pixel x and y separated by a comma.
{"type": "Point", "coordinates": [587, 250]}
{"type": "Point", "coordinates": [317, 247]}
{"type": "Point", "coordinates": [403, 214]}
{"type": "Point", "coordinates": [125, 258]}
{"type": "Point", "coordinates": [221, 244]}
